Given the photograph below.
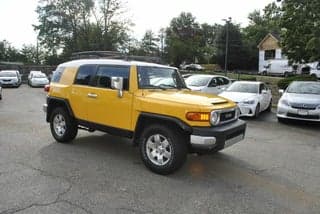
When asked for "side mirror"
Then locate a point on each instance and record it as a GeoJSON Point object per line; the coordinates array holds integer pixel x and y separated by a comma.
{"type": "Point", "coordinates": [117, 83]}
{"type": "Point", "coordinates": [281, 91]}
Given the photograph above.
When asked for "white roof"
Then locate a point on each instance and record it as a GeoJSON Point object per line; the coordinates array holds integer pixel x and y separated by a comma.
{"type": "Point", "coordinates": [78, 63]}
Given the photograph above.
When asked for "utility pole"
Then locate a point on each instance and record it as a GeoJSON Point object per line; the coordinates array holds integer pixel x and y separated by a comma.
{"type": "Point", "coordinates": [227, 45]}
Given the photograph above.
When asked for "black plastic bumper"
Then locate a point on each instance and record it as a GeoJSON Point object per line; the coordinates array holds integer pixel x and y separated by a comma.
{"type": "Point", "coordinates": [221, 134]}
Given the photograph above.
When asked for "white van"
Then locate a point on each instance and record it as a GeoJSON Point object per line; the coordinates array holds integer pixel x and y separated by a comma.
{"type": "Point", "coordinates": [315, 69]}
{"type": "Point", "coordinates": [278, 67]}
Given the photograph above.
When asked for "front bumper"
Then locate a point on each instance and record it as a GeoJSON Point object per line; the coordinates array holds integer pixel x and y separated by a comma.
{"type": "Point", "coordinates": [247, 110]}
{"type": "Point", "coordinates": [287, 112]}
{"type": "Point", "coordinates": [9, 84]}
{"type": "Point", "coordinates": [209, 138]}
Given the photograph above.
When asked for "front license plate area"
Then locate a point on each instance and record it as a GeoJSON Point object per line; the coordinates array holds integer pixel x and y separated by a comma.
{"type": "Point", "coordinates": [303, 112]}
{"type": "Point", "coordinates": [233, 140]}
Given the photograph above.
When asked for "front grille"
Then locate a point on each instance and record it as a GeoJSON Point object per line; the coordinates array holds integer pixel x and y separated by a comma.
{"type": "Point", "coordinates": [226, 116]}
{"type": "Point", "coordinates": [312, 117]}
{"type": "Point", "coordinates": [304, 106]}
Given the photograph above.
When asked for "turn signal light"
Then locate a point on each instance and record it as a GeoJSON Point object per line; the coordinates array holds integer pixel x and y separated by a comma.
{"type": "Point", "coordinates": [198, 116]}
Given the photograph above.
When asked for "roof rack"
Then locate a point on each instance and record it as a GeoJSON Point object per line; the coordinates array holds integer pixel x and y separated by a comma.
{"type": "Point", "coordinates": [114, 55]}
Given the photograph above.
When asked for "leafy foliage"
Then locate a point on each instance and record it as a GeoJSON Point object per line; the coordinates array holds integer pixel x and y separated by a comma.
{"type": "Point", "coordinates": [284, 83]}
{"type": "Point", "coordinates": [301, 35]}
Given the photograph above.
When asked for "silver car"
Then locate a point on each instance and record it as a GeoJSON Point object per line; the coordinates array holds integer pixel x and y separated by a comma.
{"type": "Point", "coordinates": [10, 78]}
{"type": "Point", "coordinates": [300, 101]}
{"type": "Point", "coordinates": [38, 79]}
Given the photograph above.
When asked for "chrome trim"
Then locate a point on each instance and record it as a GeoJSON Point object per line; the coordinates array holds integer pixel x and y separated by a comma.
{"type": "Point", "coordinates": [225, 111]}
{"type": "Point", "coordinates": [202, 142]}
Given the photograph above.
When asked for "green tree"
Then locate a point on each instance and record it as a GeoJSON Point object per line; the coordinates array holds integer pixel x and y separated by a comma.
{"type": "Point", "coordinates": [260, 24]}
{"type": "Point", "coordinates": [236, 53]}
{"type": "Point", "coordinates": [150, 44]}
{"type": "Point", "coordinates": [301, 34]}
{"type": "Point", "coordinates": [182, 39]}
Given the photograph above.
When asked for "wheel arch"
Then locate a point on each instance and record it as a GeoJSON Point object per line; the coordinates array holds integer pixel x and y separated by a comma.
{"type": "Point", "coordinates": [54, 102]}
{"type": "Point", "coordinates": [150, 118]}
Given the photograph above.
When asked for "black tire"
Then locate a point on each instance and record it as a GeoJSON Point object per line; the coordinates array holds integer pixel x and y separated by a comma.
{"type": "Point", "coordinates": [257, 111]}
{"type": "Point", "coordinates": [264, 73]}
{"type": "Point", "coordinates": [177, 147]}
{"type": "Point", "coordinates": [269, 106]}
{"type": "Point", "coordinates": [70, 126]}
{"type": "Point", "coordinates": [0, 96]}
{"type": "Point", "coordinates": [314, 75]}
{"type": "Point", "coordinates": [282, 120]}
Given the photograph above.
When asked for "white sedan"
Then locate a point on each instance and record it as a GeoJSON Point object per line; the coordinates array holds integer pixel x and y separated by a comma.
{"type": "Point", "coordinates": [39, 79]}
{"type": "Point", "coordinates": [213, 84]}
{"type": "Point", "coordinates": [251, 97]}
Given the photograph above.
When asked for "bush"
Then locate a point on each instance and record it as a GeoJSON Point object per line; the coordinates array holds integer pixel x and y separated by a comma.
{"type": "Point", "coordinates": [248, 78]}
{"type": "Point", "coordinates": [283, 84]}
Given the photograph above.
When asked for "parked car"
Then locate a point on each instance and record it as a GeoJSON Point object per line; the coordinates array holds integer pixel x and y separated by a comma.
{"type": "Point", "coordinates": [193, 67]}
{"type": "Point", "coordinates": [213, 84]}
{"type": "Point", "coordinates": [31, 73]}
{"type": "Point", "coordinates": [10, 78]}
{"type": "Point", "coordinates": [300, 101]}
{"type": "Point", "coordinates": [38, 79]}
{"type": "Point", "coordinates": [251, 97]}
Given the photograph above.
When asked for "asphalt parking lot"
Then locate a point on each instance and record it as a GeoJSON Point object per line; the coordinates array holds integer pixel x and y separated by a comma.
{"type": "Point", "coordinates": [276, 169]}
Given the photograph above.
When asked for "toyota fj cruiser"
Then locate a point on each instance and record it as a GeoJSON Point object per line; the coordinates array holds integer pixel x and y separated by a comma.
{"type": "Point", "coordinates": [146, 102]}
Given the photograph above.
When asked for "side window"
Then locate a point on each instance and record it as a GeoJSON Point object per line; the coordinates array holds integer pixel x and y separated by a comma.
{"type": "Point", "coordinates": [213, 82]}
{"type": "Point", "coordinates": [104, 74]}
{"type": "Point", "coordinates": [224, 81]}
{"type": "Point", "coordinates": [220, 81]}
{"type": "Point", "coordinates": [56, 76]}
{"type": "Point", "coordinates": [85, 74]}
{"type": "Point", "coordinates": [262, 87]}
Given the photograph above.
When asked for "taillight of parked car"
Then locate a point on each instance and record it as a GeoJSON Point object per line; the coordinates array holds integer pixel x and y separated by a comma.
{"type": "Point", "coordinates": [46, 88]}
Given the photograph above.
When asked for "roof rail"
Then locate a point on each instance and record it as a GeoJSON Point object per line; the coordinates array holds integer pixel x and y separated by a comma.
{"type": "Point", "coordinates": [114, 55]}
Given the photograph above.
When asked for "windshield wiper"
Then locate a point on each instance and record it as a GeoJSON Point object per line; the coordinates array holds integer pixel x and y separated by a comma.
{"type": "Point", "coordinates": [166, 86]}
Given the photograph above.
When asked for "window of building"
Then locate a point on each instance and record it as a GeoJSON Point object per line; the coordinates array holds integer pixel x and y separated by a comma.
{"type": "Point", "coordinates": [269, 54]}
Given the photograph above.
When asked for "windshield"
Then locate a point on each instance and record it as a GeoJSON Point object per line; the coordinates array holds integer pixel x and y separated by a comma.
{"type": "Point", "coordinates": [198, 80]}
{"type": "Point", "coordinates": [156, 77]}
{"type": "Point", "coordinates": [7, 74]}
{"type": "Point", "coordinates": [244, 87]}
{"type": "Point", "coordinates": [39, 76]}
{"type": "Point", "coordinates": [304, 88]}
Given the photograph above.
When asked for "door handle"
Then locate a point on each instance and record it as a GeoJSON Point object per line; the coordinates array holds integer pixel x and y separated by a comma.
{"type": "Point", "coordinates": [91, 95]}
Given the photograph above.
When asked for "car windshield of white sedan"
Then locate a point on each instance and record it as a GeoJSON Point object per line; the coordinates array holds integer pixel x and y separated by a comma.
{"type": "Point", "coordinates": [7, 74]}
{"type": "Point", "coordinates": [162, 78]}
{"type": "Point", "coordinates": [304, 88]}
{"type": "Point", "coordinates": [198, 81]}
{"type": "Point", "coordinates": [244, 88]}
{"type": "Point", "coordinates": [39, 76]}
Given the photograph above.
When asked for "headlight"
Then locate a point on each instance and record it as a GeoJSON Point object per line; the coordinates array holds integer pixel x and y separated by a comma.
{"type": "Point", "coordinates": [284, 102]}
{"type": "Point", "coordinates": [238, 112]}
{"type": "Point", "coordinates": [214, 118]}
{"type": "Point", "coordinates": [249, 102]}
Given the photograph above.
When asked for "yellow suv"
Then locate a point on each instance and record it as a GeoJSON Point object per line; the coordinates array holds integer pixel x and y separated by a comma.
{"type": "Point", "coordinates": [146, 102]}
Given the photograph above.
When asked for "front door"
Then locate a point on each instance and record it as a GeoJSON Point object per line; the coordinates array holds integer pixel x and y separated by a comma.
{"type": "Point", "coordinates": [104, 106]}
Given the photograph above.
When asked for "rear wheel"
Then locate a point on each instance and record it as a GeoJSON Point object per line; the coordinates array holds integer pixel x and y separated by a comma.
{"type": "Point", "coordinates": [269, 106]}
{"type": "Point", "coordinates": [63, 127]}
{"type": "Point", "coordinates": [163, 149]}
{"type": "Point", "coordinates": [257, 111]}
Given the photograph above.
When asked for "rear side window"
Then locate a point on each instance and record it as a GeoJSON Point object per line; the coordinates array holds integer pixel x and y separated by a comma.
{"type": "Point", "coordinates": [84, 75]}
{"type": "Point", "coordinates": [104, 74]}
{"type": "Point", "coordinates": [56, 76]}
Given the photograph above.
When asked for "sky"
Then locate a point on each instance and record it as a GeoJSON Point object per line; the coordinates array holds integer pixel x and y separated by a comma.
{"type": "Point", "coordinates": [18, 16]}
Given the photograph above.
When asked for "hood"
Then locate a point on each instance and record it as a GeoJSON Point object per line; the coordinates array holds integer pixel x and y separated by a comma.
{"type": "Point", "coordinates": [196, 88]}
{"type": "Point", "coordinates": [238, 96]}
{"type": "Point", "coordinates": [185, 97]}
{"type": "Point", "coordinates": [8, 78]}
{"type": "Point", "coordinates": [302, 98]}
